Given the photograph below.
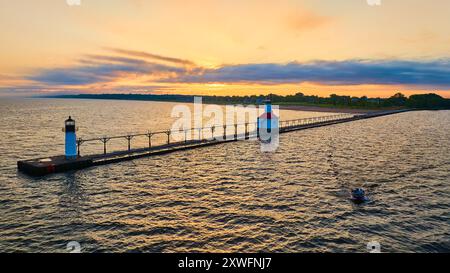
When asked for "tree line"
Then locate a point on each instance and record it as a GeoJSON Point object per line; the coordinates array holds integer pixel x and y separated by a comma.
{"type": "Point", "coordinates": [428, 101]}
{"type": "Point", "coordinates": [423, 101]}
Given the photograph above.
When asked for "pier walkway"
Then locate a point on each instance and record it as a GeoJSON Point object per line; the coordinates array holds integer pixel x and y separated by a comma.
{"type": "Point", "coordinates": [206, 136]}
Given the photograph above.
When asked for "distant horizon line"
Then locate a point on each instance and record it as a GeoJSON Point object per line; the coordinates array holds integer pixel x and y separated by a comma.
{"type": "Point", "coordinates": [239, 96]}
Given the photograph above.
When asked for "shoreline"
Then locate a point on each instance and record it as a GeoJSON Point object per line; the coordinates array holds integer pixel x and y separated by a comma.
{"type": "Point", "coordinates": [304, 108]}
{"type": "Point", "coordinates": [328, 109]}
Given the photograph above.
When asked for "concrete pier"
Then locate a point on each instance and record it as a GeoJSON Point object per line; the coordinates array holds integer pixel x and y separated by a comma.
{"type": "Point", "coordinates": [57, 164]}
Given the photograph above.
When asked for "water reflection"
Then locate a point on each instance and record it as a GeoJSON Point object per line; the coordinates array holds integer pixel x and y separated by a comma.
{"type": "Point", "coordinates": [72, 196]}
{"type": "Point", "coordinates": [230, 197]}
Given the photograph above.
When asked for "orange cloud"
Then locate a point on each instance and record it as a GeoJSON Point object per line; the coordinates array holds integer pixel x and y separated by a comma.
{"type": "Point", "coordinates": [151, 56]}
{"type": "Point", "coordinates": [305, 21]}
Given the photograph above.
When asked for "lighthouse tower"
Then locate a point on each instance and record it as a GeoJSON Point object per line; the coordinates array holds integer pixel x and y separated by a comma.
{"type": "Point", "coordinates": [267, 123]}
{"type": "Point", "coordinates": [71, 139]}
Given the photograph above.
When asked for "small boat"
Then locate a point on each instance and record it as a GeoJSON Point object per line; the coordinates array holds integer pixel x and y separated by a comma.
{"type": "Point", "coordinates": [358, 196]}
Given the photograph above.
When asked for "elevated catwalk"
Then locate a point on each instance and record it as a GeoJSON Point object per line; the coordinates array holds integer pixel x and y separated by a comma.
{"type": "Point", "coordinates": [56, 164]}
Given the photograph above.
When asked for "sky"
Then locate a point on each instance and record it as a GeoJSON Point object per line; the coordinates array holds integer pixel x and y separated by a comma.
{"type": "Point", "coordinates": [225, 47]}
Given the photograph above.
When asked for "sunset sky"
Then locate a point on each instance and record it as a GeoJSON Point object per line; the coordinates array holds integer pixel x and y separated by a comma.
{"type": "Point", "coordinates": [228, 47]}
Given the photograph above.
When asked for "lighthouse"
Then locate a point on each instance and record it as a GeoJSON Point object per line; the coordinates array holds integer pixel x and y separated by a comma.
{"type": "Point", "coordinates": [71, 139]}
{"type": "Point", "coordinates": [267, 123]}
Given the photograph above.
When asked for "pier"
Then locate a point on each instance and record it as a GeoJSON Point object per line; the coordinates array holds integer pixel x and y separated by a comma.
{"type": "Point", "coordinates": [206, 136]}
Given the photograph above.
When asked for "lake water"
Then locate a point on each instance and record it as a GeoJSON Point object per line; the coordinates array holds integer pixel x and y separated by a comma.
{"type": "Point", "coordinates": [230, 197]}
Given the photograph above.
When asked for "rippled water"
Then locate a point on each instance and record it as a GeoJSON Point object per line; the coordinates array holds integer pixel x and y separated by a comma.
{"type": "Point", "coordinates": [229, 197]}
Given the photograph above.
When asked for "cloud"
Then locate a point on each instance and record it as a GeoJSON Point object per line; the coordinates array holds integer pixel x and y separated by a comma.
{"type": "Point", "coordinates": [99, 68]}
{"type": "Point", "coordinates": [351, 72]}
{"type": "Point", "coordinates": [143, 68]}
{"type": "Point", "coordinates": [151, 56]}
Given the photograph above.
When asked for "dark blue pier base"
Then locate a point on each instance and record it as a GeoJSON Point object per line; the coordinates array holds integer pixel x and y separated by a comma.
{"type": "Point", "coordinates": [55, 164]}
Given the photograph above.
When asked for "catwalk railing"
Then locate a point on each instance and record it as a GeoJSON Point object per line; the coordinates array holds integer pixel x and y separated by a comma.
{"type": "Point", "coordinates": [238, 130]}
